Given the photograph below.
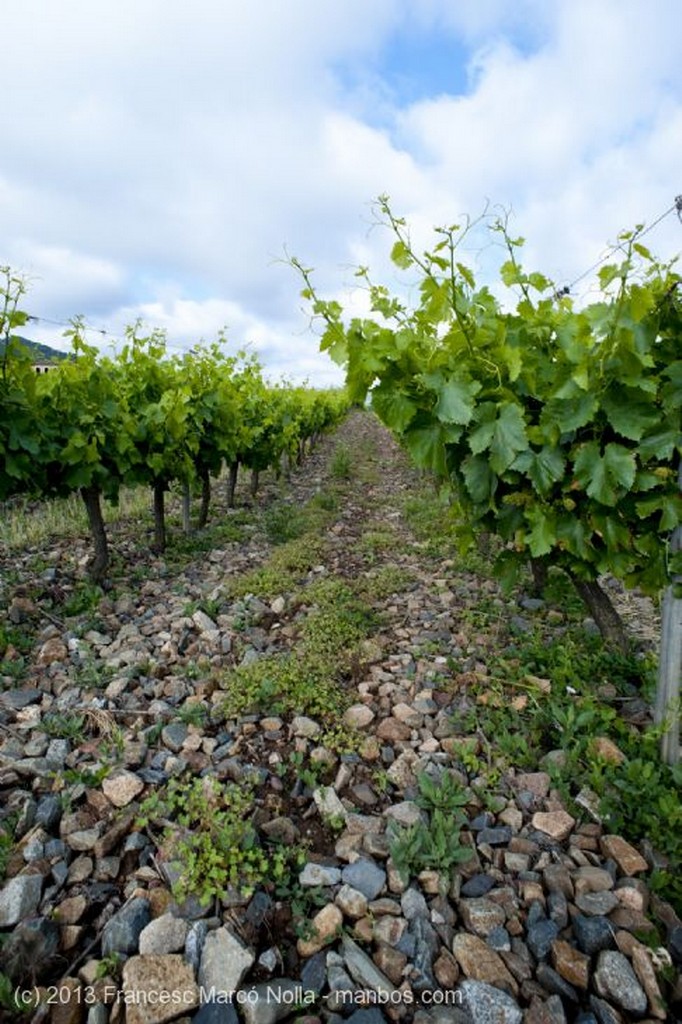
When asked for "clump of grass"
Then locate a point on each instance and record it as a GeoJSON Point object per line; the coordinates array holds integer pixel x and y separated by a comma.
{"type": "Point", "coordinates": [284, 522]}
{"type": "Point", "coordinates": [341, 465]}
{"type": "Point", "coordinates": [28, 524]}
{"type": "Point", "coordinates": [85, 598]}
{"type": "Point", "coordinates": [375, 541]}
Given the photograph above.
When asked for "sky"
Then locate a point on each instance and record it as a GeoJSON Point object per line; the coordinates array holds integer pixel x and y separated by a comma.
{"type": "Point", "coordinates": [160, 159]}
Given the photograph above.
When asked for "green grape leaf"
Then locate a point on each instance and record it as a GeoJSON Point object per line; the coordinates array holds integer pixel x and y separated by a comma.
{"type": "Point", "coordinates": [479, 479]}
{"type": "Point", "coordinates": [570, 414]}
{"type": "Point", "coordinates": [605, 476]}
{"type": "Point", "coordinates": [629, 417]}
{"type": "Point", "coordinates": [401, 256]}
{"type": "Point", "coordinates": [542, 536]}
{"type": "Point", "coordinates": [544, 468]}
{"type": "Point", "coordinates": [393, 407]}
{"type": "Point", "coordinates": [509, 437]}
{"type": "Point", "coordinates": [456, 401]}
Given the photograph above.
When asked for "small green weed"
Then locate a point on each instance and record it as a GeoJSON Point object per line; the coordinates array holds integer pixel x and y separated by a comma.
{"type": "Point", "coordinates": [193, 714]}
{"type": "Point", "coordinates": [91, 777]}
{"type": "Point", "coordinates": [283, 683]}
{"type": "Point", "coordinates": [298, 766]}
{"type": "Point", "coordinates": [19, 639]}
{"type": "Point", "coordinates": [327, 500]}
{"type": "Point", "coordinates": [85, 598]}
{"type": "Point", "coordinates": [341, 465]}
{"type": "Point", "coordinates": [6, 842]}
{"type": "Point", "coordinates": [11, 1000]}
{"type": "Point", "coordinates": [303, 900]}
{"type": "Point", "coordinates": [283, 522]}
{"type": "Point", "coordinates": [14, 668]}
{"type": "Point", "coordinates": [375, 541]}
{"type": "Point", "coordinates": [435, 845]}
{"type": "Point", "coordinates": [212, 840]}
{"type": "Point", "coordinates": [341, 739]}
{"type": "Point", "coordinates": [63, 726]}
{"type": "Point", "coordinates": [109, 966]}
{"type": "Point", "coordinates": [282, 571]}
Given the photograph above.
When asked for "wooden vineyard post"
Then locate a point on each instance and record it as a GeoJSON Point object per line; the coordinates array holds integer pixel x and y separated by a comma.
{"type": "Point", "coordinates": [667, 712]}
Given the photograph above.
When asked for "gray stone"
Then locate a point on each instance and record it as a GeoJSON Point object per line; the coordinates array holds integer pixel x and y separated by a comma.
{"type": "Point", "coordinates": [604, 1013]}
{"type": "Point", "coordinates": [362, 969]}
{"type": "Point", "coordinates": [597, 904]}
{"type": "Point", "coordinates": [165, 934]}
{"type": "Point", "coordinates": [367, 1015]}
{"type": "Point", "coordinates": [281, 830]}
{"type": "Point", "coordinates": [269, 959]}
{"type": "Point", "coordinates": [122, 932]}
{"type": "Point", "coordinates": [17, 699]}
{"type": "Point", "coordinates": [314, 973]}
{"type": "Point", "coordinates": [174, 735]}
{"type": "Point", "coordinates": [19, 898]}
{"type": "Point", "coordinates": [122, 787]}
{"type": "Point", "coordinates": [98, 1014]}
{"type": "Point", "coordinates": [489, 1005]}
{"type": "Point", "coordinates": [340, 984]}
{"type": "Point", "coordinates": [36, 939]}
{"type": "Point", "coordinates": [675, 943]}
{"type": "Point", "coordinates": [481, 916]}
{"type": "Point", "coordinates": [147, 978]}
{"type": "Point", "coordinates": [194, 944]}
{"type": "Point", "coordinates": [57, 753]}
{"type": "Point", "coordinates": [272, 1000]}
{"type": "Point", "coordinates": [552, 981]}
{"type": "Point", "coordinates": [49, 812]}
{"type": "Point", "coordinates": [499, 836]}
{"type": "Point", "coordinates": [329, 803]}
{"type": "Point", "coordinates": [306, 727]}
{"type": "Point", "coordinates": [258, 909]}
{"type": "Point", "coordinates": [499, 939]}
{"type": "Point", "coordinates": [540, 937]}
{"type": "Point", "coordinates": [557, 908]}
{"type": "Point", "coordinates": [352, 903]}
{"type": "Point", "coordinates": [405, 813]}
{"type": "Point", "coordinates": [224, 961]}
{"type": "Point", "coordinates": [413, 904]}
{"type": "Point", "coordinates": [365, 876]}
{"type": "Point", "coordinates": [616, 981]}
{"type": "Point", "coordinates": [216, 1013]}
{"type": "Point", "coordinates": [319, 874]}
{"type": "Point", "coordinates": [84, 839]}
{"type": "Point", "coordinates": [204, 622]}
{"type": "Point", "coordinates": [593, 933]}
{"type": "Point", "coordinates": [479, 885]}
{"type": "Point", "coordinates": [426, 946]}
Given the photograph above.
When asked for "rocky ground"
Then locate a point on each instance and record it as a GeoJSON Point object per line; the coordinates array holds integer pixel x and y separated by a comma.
{"type": "Point", "coordinates": [518, 910]}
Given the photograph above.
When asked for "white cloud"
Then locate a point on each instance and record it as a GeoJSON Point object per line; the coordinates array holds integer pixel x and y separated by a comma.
{"type": "Point", "coordinates": [157, 158]}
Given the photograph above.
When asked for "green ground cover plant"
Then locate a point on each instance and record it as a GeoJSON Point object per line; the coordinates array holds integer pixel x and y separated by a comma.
{"type": "Point", "coordinates": [209, 840]}
{"type": "Point", "coordinates": [434, 843]}
{"type": "Point", "coordinates": [565, 693]}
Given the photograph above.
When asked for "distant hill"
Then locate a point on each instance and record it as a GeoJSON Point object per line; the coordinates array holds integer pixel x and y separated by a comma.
{"type": "Point", "coordinates": [39, 353]}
